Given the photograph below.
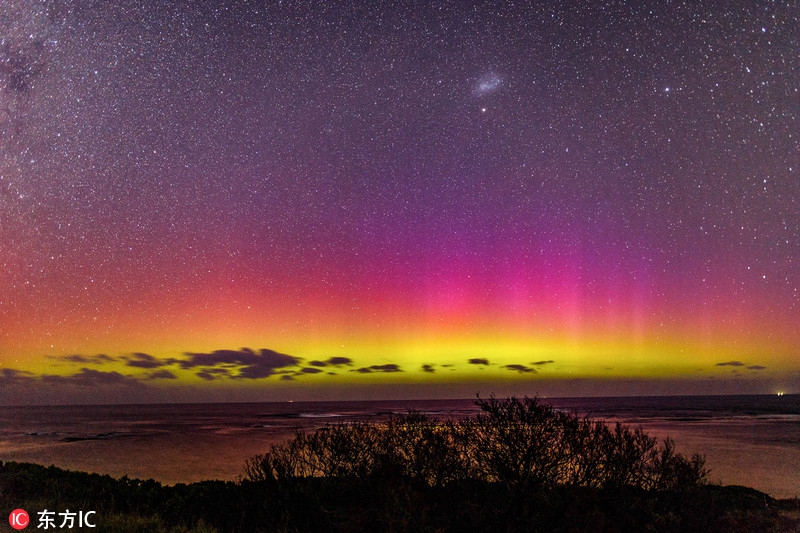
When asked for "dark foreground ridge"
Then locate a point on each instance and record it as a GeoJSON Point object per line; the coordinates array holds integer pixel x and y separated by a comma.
{"type": "Point", "coordinates": [518, 466]}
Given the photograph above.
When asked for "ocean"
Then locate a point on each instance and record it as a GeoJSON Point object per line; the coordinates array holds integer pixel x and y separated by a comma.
{"type": "Point", "coordinates": [747, 440]}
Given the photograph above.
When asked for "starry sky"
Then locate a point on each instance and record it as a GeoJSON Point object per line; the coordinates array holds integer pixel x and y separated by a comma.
{"type": "Point", "coordinates": [233, 200]}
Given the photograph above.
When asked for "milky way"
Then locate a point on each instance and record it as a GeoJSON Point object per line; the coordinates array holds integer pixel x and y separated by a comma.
{"type": "Point", "coordinates": [610, 188]}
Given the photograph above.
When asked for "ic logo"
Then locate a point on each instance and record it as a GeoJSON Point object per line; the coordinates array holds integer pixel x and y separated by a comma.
{"type": "Point", "coordinates": [19, 519]}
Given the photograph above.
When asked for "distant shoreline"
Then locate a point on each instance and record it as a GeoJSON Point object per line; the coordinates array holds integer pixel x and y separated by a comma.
{"type": "Point", "coordinates": [788, 397]}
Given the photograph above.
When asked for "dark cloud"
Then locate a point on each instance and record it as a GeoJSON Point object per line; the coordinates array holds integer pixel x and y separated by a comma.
{"type": "Point", "coordinates": [542, 363]}
{"type": "Point", "coordinates": [309, 370]}
{"type": "Point", "coordinates": [143, 360]}
{"type": "Point", "coordinates": [85, 378]}
{"type": "Point", "coordinates": [251, 365]}
{"type": "Point", "coordinates": [428, 368]}
{"type": "Point", "coordinates": [99, 359]}
{"type": "Point", "coordinates": [741, 364]}
{"type": "Point", "coordinates": [9, 376]}
{"type": "Point", "coordinates": [91, 378]}
{"type": "Point", "coordinates": [522, 369]}
{"type": "Point", "coordinates": [161, 374]}
{"type": "Point", "coordinates": [210, 374]}
{"type": "Point", "coordinates": [378, 368]}
{"type": "Point", "coordinates": [478, 361]}
{"type": "Point", "coordinates": [333, 361]}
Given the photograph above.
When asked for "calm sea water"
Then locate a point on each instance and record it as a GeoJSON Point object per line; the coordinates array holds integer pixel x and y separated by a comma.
{"type": "Point", "coordinates": [747, 440]}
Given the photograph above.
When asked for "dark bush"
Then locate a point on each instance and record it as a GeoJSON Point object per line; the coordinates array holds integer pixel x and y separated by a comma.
{"type": "Point", "coordinates": [516, 442]}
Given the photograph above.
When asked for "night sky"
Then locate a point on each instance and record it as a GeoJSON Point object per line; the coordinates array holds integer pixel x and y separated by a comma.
{"type": "Point", "coordinates": [341, 200]}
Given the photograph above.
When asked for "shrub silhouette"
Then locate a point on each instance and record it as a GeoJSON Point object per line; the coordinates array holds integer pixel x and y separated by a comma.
{"type": "Point", "coordinates": [522, 443]}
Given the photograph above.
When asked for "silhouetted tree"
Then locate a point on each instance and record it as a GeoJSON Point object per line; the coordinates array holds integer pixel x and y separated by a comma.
{"type": "Point", "coordinates": [522, 443]}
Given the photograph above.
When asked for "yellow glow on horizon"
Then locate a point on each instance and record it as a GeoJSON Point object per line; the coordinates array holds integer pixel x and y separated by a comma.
{"type": "Point", "coordinates": [581, 353]}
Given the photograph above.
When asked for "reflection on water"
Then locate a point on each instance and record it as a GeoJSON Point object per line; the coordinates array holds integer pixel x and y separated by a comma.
{"type": "Point", "coordinates": [753, 440]}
